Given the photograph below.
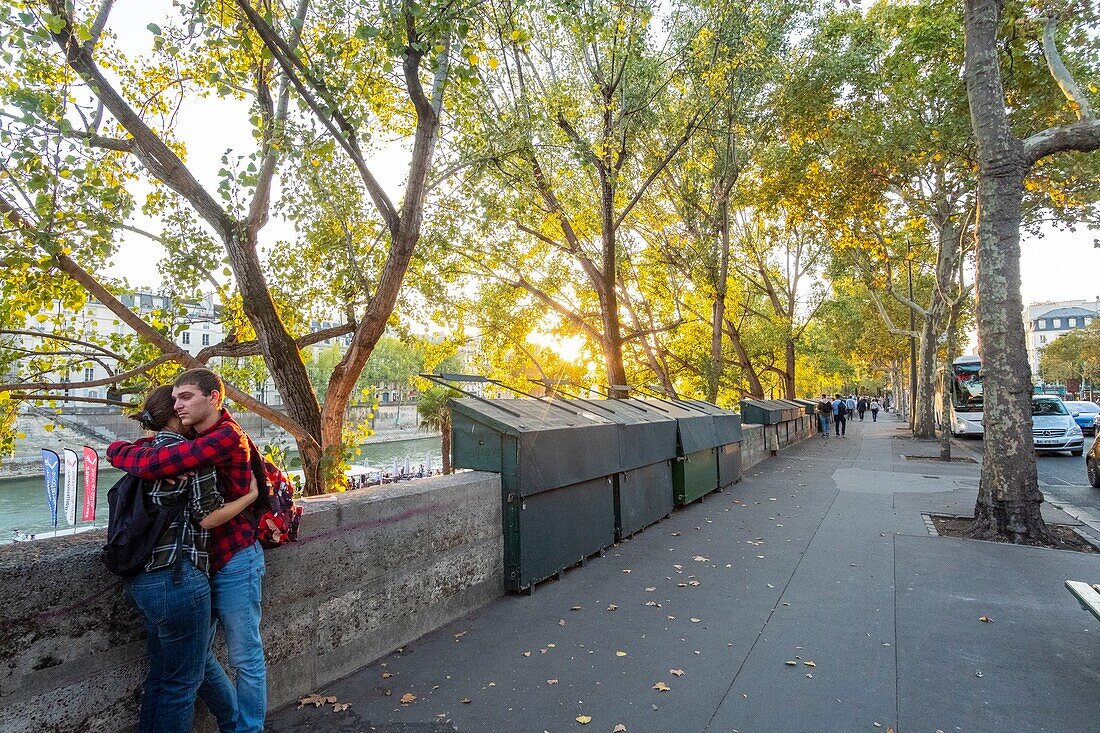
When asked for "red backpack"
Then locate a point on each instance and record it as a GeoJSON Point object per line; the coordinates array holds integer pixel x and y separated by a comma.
{"type": "Point", "coordinates": [279, 516]}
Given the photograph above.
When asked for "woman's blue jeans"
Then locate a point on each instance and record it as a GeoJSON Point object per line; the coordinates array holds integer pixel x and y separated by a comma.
{"type": "Point", "coordinates": [239, 706]}
{"type": "Point", "coordinates": [177, 628]}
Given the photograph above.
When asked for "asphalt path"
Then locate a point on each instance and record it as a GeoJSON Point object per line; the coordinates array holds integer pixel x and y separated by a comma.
{"type": "Point", "coordinates": [1062, 478]}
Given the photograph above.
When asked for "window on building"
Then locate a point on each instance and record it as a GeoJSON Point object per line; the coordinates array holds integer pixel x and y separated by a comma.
{"type": "Point", "coordinates": [89, 374]}
{"type": "Point", "coordinates": [1042, 324]}
{"type": "Point", "coordinates": [186, 338]}
{"type": "Point", "coordinates": [206, 339]}
{"type": "Point", "coordinates": [1056, 323]}
{"type": "Point", "coordinates": [146, 301]}
{"type": "Point", "coordinates": [1042, 339]}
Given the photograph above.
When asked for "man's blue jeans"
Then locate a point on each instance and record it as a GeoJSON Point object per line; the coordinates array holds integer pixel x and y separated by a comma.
{"type": "Point", "coordinates": [177, 628]}
{"type": "Point", "coordinates": [239, 707]}
{"type": "Point", "coordinates": [823, 422]}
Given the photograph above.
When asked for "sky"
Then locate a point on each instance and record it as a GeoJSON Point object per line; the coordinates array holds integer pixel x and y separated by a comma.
{"type": "Point", "coordinates": [1058, 266]}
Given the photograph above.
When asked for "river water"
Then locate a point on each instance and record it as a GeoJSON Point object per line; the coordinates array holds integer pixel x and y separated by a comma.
{"type": "Point", "coordinates": [23, 504]}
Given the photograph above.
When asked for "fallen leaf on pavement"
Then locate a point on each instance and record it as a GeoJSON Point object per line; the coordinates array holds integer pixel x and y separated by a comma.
{"type": "Point", "coordinates": [695, 620]}
{"type": "Point", "coordinates": [677, 672]}
{"type": "Point", "coordinates": [466, 701]}
{"type": "Point", "coordinates": [661, 687]}
{"type": "Point", "coordinates": [387, 675]}
{"type": "Point", "coordinates": [810, 663]}
{"type": "Point", "coordinates": [407, 698]}
{"type": "Point", "coordinates": [551, 682]}
{"type": "Point", "coordinates": [626, 571]}
{"type": "Point", "coordinates": [574, 608]}
{"type": "Point", "coordinates": [316, 700]}
{"type": "Point", "coordinates": [561, 622]}
{"type": "Point", "coordinates": [985, 619]}
{"type": "Point", "coordinates": [527, 654]}
{"type": "Point", "coordinates": [584, 719]}
{"type": "Point", "coordinates": [612, 607]}
{"type": "Point", "coordinates": [460, 634]}
{"type": "Point", "coordinates": [700, 558]}
{"type": "Point", "coordinates": [620, 728]}
{"type": "Point", "coordinates": [341, 707]}
{"type": "Point", "coordinates": [620, 654]}
{"type": "Point", "coordinates": [791, 663]}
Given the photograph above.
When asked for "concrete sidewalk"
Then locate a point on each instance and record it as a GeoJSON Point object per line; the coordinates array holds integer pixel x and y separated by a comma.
{"type": "Point", "coordinates": [820, 557]}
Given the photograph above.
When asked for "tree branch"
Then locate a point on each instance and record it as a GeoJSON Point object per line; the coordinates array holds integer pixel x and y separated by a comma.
{"type": "Point", "coordinates": [1061, 74]}
{"type": "Point", "coordinates": [113, 379]}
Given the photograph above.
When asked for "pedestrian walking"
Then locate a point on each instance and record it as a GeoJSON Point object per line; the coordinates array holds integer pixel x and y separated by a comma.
{"type": "Point", "coordinates": [851, 404]}
{"type": "Point", "coordinates": [824, 410]}
{"type": "Point", "coordinates": [840, 420]}
{"type": "Point", "coordinates": [874, 409]}
{"type": "Point", "coordinates": [861, 407]}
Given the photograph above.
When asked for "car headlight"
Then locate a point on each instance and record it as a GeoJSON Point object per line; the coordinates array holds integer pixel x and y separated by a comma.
{"type": "Point", "coordinates": [1075, 430]}
{"type": "Point", "coordinates": [960, 425]}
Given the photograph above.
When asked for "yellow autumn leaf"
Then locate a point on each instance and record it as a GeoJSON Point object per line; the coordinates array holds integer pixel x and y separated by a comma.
{"type": "Point", "coordinates": [494, 62]}
{"type": "Point", "coordinates": [661, 687]}
{"type": "Point", "coordinates": [620, 654]}
{"type": "Point", "coordinates": [809, 663]}
{"type": "Point", "coordinates": [473, 59]}
{"type": "Point", "coordinates": [407, 698]}
{"type": "Point", "coordinates": [584, 719]}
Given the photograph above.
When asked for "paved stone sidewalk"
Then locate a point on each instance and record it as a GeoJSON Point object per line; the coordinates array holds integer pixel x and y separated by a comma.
{"type": "Point", "coordinates": [819, 557]}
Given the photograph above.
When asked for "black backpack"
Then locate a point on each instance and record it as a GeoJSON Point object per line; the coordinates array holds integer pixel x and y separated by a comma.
{"type": "Point", "coordinates": [134, 525]}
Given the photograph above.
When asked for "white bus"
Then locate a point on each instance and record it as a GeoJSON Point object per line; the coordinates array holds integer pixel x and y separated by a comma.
{"type": "Point", "coordinates": [965, 403]}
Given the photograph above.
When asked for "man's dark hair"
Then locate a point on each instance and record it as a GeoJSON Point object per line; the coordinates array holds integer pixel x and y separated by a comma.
{"type": "Point", "coordinates": [206, 380]}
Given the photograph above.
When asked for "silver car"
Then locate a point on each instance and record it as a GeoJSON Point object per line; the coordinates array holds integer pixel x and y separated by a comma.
{"type": "Point", "coordinates": [1053, 427]}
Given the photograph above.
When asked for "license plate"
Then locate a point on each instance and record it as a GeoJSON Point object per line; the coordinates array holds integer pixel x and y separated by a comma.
{"type": "Point", "coordinates": [1047, 441]}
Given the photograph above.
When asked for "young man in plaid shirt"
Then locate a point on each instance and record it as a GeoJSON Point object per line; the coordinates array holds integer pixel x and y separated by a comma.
{"type": "Point", "coordinates": [236, 559]}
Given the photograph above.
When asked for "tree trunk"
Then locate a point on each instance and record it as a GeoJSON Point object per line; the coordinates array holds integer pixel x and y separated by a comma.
{"type": "Point", "coordinates": [718, 314]}
{"type": "Point", "coordinates": [789, 391]}
{"type": "Point", "coordinates": [947, 384]}
{"type": "Point", "coordinates": [756, 388]}
{"type": "Point", "coordinates": [924, 418]}
{"type": "Point", "coordinates": [446, 431]}
{"type": "Point", "coordinates": [1008, 496]}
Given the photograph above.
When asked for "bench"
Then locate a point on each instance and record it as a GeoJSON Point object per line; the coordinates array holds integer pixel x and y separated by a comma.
{"type": "Point", "coordinates": [1086, 594]}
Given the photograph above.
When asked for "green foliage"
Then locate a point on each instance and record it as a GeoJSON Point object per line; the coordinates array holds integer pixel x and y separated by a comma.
{"type": "Point", "coordinates": [1073, 355]}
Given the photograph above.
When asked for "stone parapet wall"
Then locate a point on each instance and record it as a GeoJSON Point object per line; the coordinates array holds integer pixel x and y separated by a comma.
{"type": "Point", "coordinates": [759, 440]}
{"type": "Point", "coordinates": [373, 570]}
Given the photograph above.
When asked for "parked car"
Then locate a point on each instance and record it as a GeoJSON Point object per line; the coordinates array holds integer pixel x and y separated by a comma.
{"type": "Point", "coordinates": [1086, 414]}
{"type": "Point", "coordinates": [1092, 464]}
{"type": "Point", "coordinates": [1053, 427]}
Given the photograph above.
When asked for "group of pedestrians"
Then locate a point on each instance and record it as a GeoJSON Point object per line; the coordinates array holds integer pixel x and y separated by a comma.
{"type": "Point", "coordinates": [207, 567]}
{"type": "Point", "coordinates": [842, 408]}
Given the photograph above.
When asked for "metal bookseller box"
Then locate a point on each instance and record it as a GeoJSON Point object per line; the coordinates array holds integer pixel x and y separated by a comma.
{"type": "Point", "coordinates": [647, 451]}
{"type": "Point", "coordinates": [808, 405]}
{"type": "Point", "coordinates": [557, 463]}
{"type": "Point", "coordinates": [767, 412]}
{"type": "Point", "coordinates": [695, 471]}
{"type": "Point", "coordinates": [727, 426]}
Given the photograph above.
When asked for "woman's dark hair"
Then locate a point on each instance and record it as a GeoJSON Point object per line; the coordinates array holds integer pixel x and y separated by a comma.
{"type": "Point", "coordinates": [159, 408]}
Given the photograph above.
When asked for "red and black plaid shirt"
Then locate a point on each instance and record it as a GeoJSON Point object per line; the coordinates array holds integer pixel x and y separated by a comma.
{"type": "Point", "coordinates": [225, 447]}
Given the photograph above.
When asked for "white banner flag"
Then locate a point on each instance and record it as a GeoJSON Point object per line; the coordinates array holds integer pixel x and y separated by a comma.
{"type": "Point", "coordinates": [72, 464]}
